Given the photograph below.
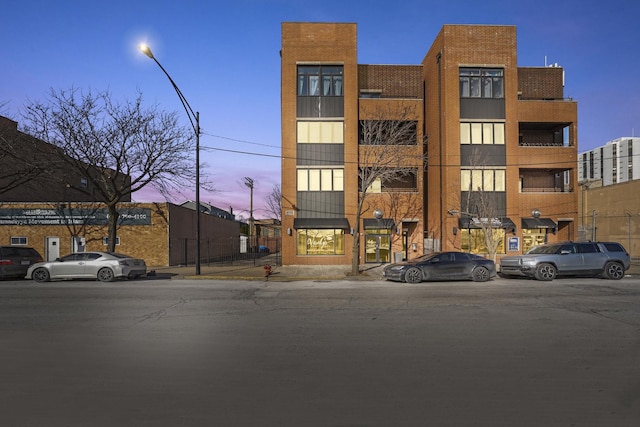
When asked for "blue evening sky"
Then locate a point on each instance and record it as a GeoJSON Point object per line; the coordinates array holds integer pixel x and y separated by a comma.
{"type": "Point", "coordinates": [224, 57]}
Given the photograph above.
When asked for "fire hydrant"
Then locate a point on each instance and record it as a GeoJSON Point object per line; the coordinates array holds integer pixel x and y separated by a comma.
{"type": "Point", "coordinates": [267, 271]}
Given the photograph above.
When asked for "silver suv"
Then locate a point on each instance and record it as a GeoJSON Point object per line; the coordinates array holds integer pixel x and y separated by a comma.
{"type": "Point", "coordinates": [545, 262]}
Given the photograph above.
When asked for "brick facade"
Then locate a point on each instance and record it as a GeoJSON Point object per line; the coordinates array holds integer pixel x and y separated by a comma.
{"type": "Point", "coordinates": [538, 151]}
{"type": "Point", "coordinates": [165, 238]}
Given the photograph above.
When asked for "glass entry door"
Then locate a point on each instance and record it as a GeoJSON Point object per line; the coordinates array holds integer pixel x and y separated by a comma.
{"type": "Point", "coordinates": [377, 248]}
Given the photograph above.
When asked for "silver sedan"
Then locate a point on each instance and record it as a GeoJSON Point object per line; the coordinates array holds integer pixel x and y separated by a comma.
{"type": "Point", "coordinates": [103, 266]}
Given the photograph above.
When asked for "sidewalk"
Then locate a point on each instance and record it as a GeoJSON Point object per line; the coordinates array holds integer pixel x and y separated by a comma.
{"type": "Point", "coordinates": [286, 273]}
{"type": "Point", "coordinates": [249, 271]}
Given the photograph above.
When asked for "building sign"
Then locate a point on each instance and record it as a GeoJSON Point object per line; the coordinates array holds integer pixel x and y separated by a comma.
{"type": "Point", "coordinates": [514, 244]}
{"type": "Point", "coordinates": [73, 216]}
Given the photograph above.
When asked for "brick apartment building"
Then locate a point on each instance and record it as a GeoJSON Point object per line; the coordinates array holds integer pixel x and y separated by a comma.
{"type": "Point", "coordinates": [500, 142]}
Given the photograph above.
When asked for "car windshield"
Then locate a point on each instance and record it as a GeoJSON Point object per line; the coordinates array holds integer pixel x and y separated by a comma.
{"type": "Point", "coordinates": [545, 249]}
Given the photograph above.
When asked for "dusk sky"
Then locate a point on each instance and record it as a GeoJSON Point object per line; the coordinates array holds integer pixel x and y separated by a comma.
{"type": "Point", "coordinates": [224, 57]}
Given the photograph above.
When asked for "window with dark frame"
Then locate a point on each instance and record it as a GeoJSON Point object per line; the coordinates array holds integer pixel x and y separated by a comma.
{"type": "Point", "coordinates": [19, 240]}
{"type": "Point", "coordinates": [481, 83]}
{"type": "Point", "coordinates": [320, 80]}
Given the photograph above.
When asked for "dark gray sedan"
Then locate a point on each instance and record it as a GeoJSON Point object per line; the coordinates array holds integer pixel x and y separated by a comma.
{"type": "Point", "coordinates": [442, 266]}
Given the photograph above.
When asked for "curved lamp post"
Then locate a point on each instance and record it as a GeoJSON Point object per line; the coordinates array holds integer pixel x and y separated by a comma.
{"type": "Point", "coordinates": [194, 119]}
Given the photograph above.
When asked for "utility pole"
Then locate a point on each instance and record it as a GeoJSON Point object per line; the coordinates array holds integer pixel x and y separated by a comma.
{"type": "Point", "coordinates": [250, 183]}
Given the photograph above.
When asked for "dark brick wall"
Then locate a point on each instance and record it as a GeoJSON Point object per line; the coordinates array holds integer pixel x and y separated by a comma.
{"type": "Point", "coordinates": [540, 83]}
{"type": "Point", "coordinates": [394, 81]}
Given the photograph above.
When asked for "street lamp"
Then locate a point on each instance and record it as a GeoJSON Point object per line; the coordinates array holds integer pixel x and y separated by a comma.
{"type": "Point", "coordinates": [194, 119]}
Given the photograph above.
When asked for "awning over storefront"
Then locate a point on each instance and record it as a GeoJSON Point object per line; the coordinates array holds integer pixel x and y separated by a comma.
{"type": "Point", "coordinates": [538, 223]}
{"type": "Point", "coordinates": [384, 223]}
{"type": "Point", "coordinates": [336, 223]}
{"type": "Point", "coordinates": [472, 222]}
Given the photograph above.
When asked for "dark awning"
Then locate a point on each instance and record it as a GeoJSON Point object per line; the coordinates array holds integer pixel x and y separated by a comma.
{"type": "Point", "coordinates": [339, 223]}
{"type": "Point", "coordinates": [538, 223]}
{"type": "Point", "coordinates": [372, 223]}
{"type": "Point", "coordinates": [472, 222]}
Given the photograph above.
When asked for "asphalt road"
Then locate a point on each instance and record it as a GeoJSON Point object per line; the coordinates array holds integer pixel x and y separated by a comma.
{"type": "Point", "coordinates": [215, 353]}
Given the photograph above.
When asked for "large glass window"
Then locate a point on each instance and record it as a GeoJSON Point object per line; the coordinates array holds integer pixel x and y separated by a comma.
{"type": "Point", "coordinates": [325, 179]}
{"type": "Point", "coordinates": [482, 133]}
{"type": "Point", "coordinates": [481, 83]}
{"type": "Point", "coordinates": [473, 240]}
{"type": "Point", "coordinates": [317, 132]}
{"type": "Point", "coordinates": [482, 180]}
{"type": "Point", "coordinates": [320, 80]}
{"type": "Point", "coordinates": [320, 242]}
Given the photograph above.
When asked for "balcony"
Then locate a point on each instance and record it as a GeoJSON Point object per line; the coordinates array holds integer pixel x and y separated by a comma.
{"type": "Point", "coordinates": [544, 135]}
{"type": "Point", "coordinates": [545, 181]}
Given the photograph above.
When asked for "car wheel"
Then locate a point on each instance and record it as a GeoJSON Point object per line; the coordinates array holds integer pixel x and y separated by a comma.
{"type": "Point", "coordinates": [613, 270]}
{"type": "Point", "coordinates": [545, 272]}
{"type": "Point", "coordinates": [106, 275]}
{"type": "Point", "coordinates": [480, 274]}
{"type": "Point", "coordinates": [41, 275]}
{"type": "Point", "coordinates": [413, 275]}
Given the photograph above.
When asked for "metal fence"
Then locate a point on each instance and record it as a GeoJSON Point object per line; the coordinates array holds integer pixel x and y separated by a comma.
{"type": "Point", "coordinates": [258, 249]}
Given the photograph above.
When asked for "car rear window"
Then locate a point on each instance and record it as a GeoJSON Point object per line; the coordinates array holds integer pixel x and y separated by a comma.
{"type": "Point", "coordinates": [587, 248]}
{"type": "Point", "coordinates": [614, 247]}
{"type": "Point", "coordinates": [17, 251]}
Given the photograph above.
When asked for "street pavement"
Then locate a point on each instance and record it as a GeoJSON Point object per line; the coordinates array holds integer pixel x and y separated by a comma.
{"type": "Point", "coordinates": [248, 270]}
{"type": "Point", "coordinates": [255, 270]}
{"type": "Point", "coordinates": [190, 353]}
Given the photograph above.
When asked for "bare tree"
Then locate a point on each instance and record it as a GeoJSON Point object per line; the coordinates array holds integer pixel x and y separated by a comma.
{"type": "Point", "coordinates": [389, 152]}
{"type": "Point", "coordinates": [273, 202]}
{"type": "Point", "coordinates": [119, 148]}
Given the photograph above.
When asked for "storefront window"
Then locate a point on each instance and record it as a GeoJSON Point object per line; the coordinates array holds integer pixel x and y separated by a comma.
{"type": "Point", "coordinates": [320, 242]}
{"type": "Point", "coordinates": [533, 237]}
{"type": "Point", "coordinates": [473, 241]}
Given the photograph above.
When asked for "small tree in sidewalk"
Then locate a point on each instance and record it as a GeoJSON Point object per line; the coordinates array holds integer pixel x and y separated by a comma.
{"type": "Point", "coordinates": [391, 155]}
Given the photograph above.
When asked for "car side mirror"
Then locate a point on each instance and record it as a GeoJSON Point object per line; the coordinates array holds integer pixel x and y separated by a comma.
{"type": "Point", "coordinates": [565, 252]}
{"type": "Point", "coordinates": [435, 260]}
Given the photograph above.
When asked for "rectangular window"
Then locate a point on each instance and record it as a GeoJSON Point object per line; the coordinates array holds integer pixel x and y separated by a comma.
{"type": "Point", "coordinates": [105, 241]}
{"type": "Point", "coordinates": [320, 80]}
{"type": "Point", "coordinates": [375, 187]}
{"type": "Point", "coordinates": [481, 133]}
{"type": "Point", "coordinates": [326, 179]}
{"type": "Point", "coordinates": [303, 180]}
{"type": "Point", "coordinates": [338, 180]}
{"type": "Point", "coordinates": [473, 240]}
{"type": "Point", "coordinates": [320, 180]}
{"type": "Point", "coordinates": [314, 179]}
{"type": "Point", "coordinates": [19, 240]}
{"type": "Point", "coordinates": [482, 180]}
{"type": "Point", "coordinates": [481, 83]}
{"type": "Point", "coordinates": [320, 242]}
{"type": "Point", "coordinates": [317, 132]}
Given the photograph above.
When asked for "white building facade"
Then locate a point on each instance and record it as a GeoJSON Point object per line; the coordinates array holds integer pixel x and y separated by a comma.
{"type": "Point", "coordinates": [615, 162]}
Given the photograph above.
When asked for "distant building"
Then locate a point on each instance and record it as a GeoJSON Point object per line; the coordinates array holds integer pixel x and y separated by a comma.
{"type": "Point", "coordinates": [30, 171]}
{"type": "Point", "coordinates": [160, 233]}
{"type": "Point", "coordinates": [208, 209]}
{"type": "Point", "coordinates": [615, 162]}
